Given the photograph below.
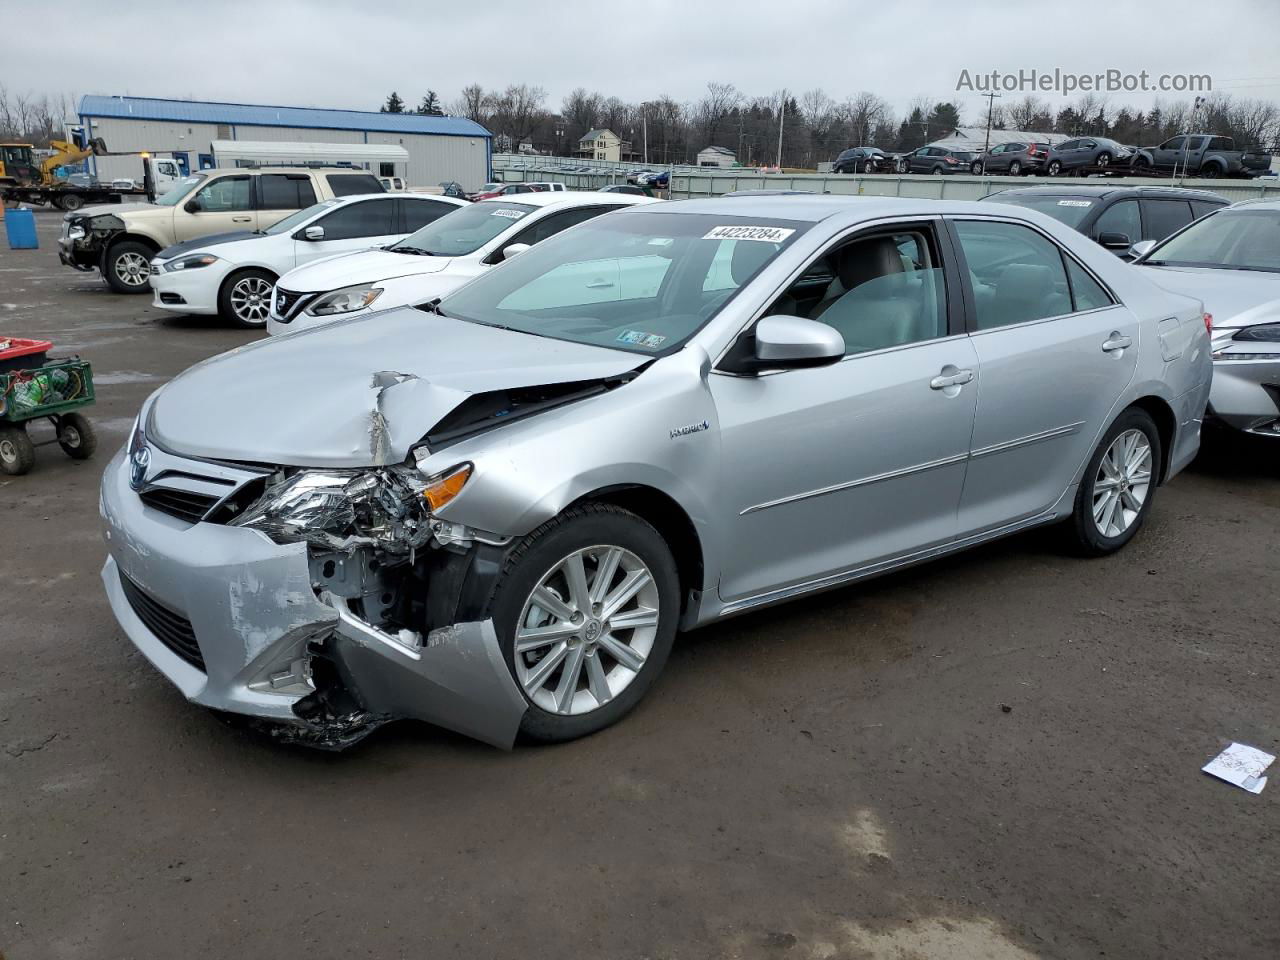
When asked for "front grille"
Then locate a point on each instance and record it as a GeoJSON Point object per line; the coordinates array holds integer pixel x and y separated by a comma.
{"type": "Point", "coordinates": [184, 504]}
{"type": "Point", "coordinates": [287, 303]}
{"type": "Point", "coordinates": [170, 627]}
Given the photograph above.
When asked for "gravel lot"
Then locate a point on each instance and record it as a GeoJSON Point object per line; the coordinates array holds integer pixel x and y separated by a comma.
{"type": "Point", "coordinates": [994, 756]}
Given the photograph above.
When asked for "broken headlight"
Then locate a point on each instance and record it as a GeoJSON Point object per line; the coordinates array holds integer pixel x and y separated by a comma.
{"type": "Point", "coordinates": [341, 509]}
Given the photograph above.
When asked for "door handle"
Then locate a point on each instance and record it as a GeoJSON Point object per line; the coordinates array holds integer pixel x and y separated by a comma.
{"type": "Point", "coordinates": [241, 219]}
{"type": "Point", "coordinates": [951, 380]}
{"type": "Point", "coordinates": [1116, 342]}
{"type": "Point", "coordinates": [600, 285]}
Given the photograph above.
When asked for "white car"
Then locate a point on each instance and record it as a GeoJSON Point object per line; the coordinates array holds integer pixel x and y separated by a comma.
{"type": "Point", "coordinates": [232, 274]}
{"type": "Point", "coordinates": [433, 262]}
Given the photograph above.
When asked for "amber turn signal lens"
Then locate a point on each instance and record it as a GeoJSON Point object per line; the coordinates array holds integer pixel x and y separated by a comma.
{"type": "Point", "coordinates": [445, 487]}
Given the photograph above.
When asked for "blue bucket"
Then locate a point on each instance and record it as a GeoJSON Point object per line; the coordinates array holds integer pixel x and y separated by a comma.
{"type": "Point", "coordinates": [20, 227]}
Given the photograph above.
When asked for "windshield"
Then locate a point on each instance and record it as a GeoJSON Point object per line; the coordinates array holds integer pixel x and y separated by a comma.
{"type": "Point", "coordinates": [635, 281]}
{"type": "Point", "coordinates": [297, 219]}
{"type": "Point", "coordinates": [465, 230]}
{"type": "Point", "coordinates": [1231, 240]}
{"type": "Point", "coordinates": [179, 190]}
{"type": "Point", "coordinates": [1068, 210]}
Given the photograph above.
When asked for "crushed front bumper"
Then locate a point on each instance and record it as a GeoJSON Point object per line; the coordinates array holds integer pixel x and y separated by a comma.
{"type": "Point", "coordinates": [233, 620]}
{"type": "Point", "coordinates": [1246, 393]}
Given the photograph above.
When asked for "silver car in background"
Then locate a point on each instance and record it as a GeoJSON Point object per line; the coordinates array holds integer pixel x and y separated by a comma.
{"type": "Point", "coordinates": [1231, 261]}
{"type": "Point", "coordinates": [494, 512]}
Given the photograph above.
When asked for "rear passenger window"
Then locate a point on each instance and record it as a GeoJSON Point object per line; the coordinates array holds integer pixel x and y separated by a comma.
{"type": "Point", "coordinates": [280, 192]}
{"type": "Point", "coordinates": [350, 184]}
{"type": "Point", "coordinates": [1086, 292]}
{"type": "Point", "coordinates": [373, 218]}
{"type": "Point", "coordinates": [1163, 217]}
{"type": "Point", "coordinates": [1017, 274]}
{"type": "Point", "coordinates": [418, 213]}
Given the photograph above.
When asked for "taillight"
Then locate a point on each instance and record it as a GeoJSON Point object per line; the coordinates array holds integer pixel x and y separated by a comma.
{"type": "Point", "coordinates": [1208, 324]}
{"type": "Point", "coordinates": [951, 160]}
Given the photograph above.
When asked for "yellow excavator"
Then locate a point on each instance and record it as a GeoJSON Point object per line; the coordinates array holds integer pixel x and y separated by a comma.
{"type": "Point", "coordinates": [24, 179]}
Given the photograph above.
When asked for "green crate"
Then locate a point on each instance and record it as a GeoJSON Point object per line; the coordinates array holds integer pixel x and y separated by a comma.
{"type": "Point", "coordinates": [71, 382]}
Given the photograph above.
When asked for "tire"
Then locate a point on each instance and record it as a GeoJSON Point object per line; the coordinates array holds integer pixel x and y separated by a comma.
{"type": "Point", "coordinates": [1103, 160]}
{"type": "Point", "coordinates": [588, 532]}
{"type": "Point", "coordinates": [1212, 171]}
{"type": "Point", "coordinates": [938, 170]}
{"type": "Point", "coordinates": [76, 436]}
{"type": "Point", "coordinates": [245, 298]}
{"type": "Point", "coordinates": [869, 166]}
{"type": "Point", "coordinates": [1086, 531]}
{"type": "Point", "coordinates": [17, 452]}
{"type": "Point", "coordinates": [904, 167]}
{"type": "Point", "coordinates": [127, 267]}
{"type": "Point", "coordinates": [976, 168]}
{"type": "Point", "coordinates": [1140, 163]}
{"type": "Point", "coordinates": [1015, 168]}
{"type": "Point", "coordinates": [70, 202]}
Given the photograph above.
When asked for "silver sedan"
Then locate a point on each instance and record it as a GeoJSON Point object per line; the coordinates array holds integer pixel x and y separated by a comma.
{"type": "Point", "coordinates": [494, 512]}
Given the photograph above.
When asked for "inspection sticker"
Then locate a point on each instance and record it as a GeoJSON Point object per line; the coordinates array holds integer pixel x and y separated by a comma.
{"type": "Point", "coordinates": [1075, 203]}
{"type": "Point", "coordinates": [509, 214]}
{"type": "Point", "coordinates": [763, 234]}
{"type": "Point", "coordinates": [641, 339]}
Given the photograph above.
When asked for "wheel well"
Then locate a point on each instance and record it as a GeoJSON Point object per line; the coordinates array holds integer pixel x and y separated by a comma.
{"type": "Point", "coordinates": [242, 270]}
{"type": "Point", "coordinates": [1166, 426]}
{"type": "Point", "coordinates": [136, 238]}
{"type": "Point", "coordinates": [670, 520]}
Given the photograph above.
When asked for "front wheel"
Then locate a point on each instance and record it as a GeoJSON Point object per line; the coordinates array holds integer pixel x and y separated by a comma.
{"type": "Point", "coordinates": [869, 166]}
{"type": "Point", "coordinates": [1104, 159]}
{"type": "Point", "coordinates": [70, 202]}
{"type": "Point", "coordinates": [127, 267]}
{"type": "Point", "coordinates": [586, 611]}
{"type": "Point", "coordinates": [976, 168]}
{"type": "Point", "coordinates": [245, 298]}
{"type": "Point", "coordinates": [1054, 168]}
{"type": "Point", "coordinates": [904, 167]}
{"type": "Point", "coordinates": [1118, 486]}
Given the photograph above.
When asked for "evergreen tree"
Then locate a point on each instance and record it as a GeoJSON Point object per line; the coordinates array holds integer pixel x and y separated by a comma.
{"type": "Point", "coordinates": [430, 105]}
{"type": "Point", "coordinates": [393, 105]}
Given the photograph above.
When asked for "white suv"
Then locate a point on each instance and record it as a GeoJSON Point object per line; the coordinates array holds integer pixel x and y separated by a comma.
{"type": "Point", "coordinates": [232, 274]}
{"type": "Point", "coordinates": [435, 260]}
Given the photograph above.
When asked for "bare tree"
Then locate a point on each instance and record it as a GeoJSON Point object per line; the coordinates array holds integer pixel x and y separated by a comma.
{"type": "Point", "coordinates": [720, 101]}
{"type": "Point", "coordinates": [474, 104]}
{"type": "Point", "coordinates": [518, 110]}
{"type": "Point", "coordinates": [1027, 113]}
{"type": "Point", "coordinates": [862, 113]}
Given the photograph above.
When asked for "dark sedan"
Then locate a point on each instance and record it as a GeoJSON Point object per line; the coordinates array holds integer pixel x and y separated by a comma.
{"type": "Point", "coordinates": [1012, 158]}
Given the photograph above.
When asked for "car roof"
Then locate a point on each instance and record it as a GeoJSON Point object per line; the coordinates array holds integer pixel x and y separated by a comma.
{"type": "Point", "coordinates": [1101, 190]}
{"type": "Point", "coordinates": [293, 169]}
{"type": "Point", "coordinates": [816, 207]}
{"type": "Point", "coordinates": [1259, 203]}
{"type": "Point", "coordinates": [565, 198]}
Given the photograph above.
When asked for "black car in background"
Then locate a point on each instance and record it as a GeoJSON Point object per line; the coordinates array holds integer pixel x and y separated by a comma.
{"type": "Point", "coordinates": [1116, 217]}
{"type": "Point", "coordinates": [1084, 152]}
{"type": "Point", "coordinates": [1012, 158]}
{"type": "Point", "coordinates": [862, 160]}
{"type": "Point", "coordinates": [935, 160]}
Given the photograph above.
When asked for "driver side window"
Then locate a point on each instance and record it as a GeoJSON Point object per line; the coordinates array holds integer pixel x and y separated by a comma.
{"type": "Point", "coordinates": [224, 195]}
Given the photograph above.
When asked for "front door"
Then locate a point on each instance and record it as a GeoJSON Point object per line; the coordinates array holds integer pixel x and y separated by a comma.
{"type": "Point", "coordinates": [1056, 353]}
{"type": "Point", "coordinates": [834, 468]}
{"type": "Point", "coordinates": [220, 206]}
{"type": "Point", "coordinates": [352, 227]}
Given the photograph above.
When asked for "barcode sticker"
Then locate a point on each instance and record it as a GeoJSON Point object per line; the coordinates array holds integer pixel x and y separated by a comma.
{"type": "Point", "coordinates": [763, 234]}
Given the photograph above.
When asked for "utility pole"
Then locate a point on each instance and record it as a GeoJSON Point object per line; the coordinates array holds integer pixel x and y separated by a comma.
{"type": "Point", "coordinates": [644, 126]}
{"type": "Point", "coordinates": [991, 106]}
{"type": "Point", "coordinates": [782, 112]}
{"type": "Point", "coordinates": [1186, 140]}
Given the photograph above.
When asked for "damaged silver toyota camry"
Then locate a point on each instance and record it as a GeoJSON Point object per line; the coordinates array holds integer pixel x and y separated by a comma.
{"type": "Point", "coordinates": [494, 512]}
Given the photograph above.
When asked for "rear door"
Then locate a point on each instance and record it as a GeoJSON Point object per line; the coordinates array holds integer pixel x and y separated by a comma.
{"type": "Point", "coordinates": [1056, 351]}
{"type": "Point", "coordinates": [1160, 218]}
{"type": "Point", "coordinates": [353, 226]}
{"type": "Point", "coordinates": [413, 213]}
{"type": "Point", "coordinates": [280, 194]}
{"type": "Point", "coordinates": [223, 204]}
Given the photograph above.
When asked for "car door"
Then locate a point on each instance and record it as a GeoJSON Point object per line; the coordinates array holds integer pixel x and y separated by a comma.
{"type": "Point", "coordinates": [996, 161]}
{"type": "Point", "coordinates": [1169, 152]}
{"type": "Point", "coordinates": [1121, 219]}
{"type": "Point", "coordinates": [1160, 218]}
{"type": "Point", "coordinates": [1056, 352]}
{"type": "Point", "coordinates": [414, 213]}
{"type": "Point", "coordinates": [223, 204]}
{"type": "Point", "coordinates": [841, 467]}
{"type": "Point", "coordinates": [351, 227]}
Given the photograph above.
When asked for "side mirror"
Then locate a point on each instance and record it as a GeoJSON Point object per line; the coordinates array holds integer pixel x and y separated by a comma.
{"type": "Point", "coordinates": [787, 342]}
{"type": "Point", "coordinates": [313, 232]}
{"type": "Point", "coordinates": [511, 249]}
{"type": "Point", "coordinates": [1114, 241]}
{"type": "Point", "coordinates": [191, 206]}
{"type": "Point", "coordinates": [1141, 248]}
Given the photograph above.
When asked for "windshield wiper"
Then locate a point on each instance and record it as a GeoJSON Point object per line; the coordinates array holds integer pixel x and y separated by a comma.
{"type": "Point", "coordinates": [417, 251]}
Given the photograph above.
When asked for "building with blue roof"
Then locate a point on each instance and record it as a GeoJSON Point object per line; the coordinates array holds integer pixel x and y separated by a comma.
{"type": "Point", "coordinates": [439, 148]}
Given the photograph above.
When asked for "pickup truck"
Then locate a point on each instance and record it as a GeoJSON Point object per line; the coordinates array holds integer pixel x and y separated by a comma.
{"type": "Point", "coordinates": [120, 239]}
{"type": "Point", "coordinates": [1203, 154]}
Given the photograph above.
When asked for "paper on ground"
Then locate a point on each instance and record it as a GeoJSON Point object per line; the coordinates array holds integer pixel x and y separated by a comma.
{"type": "Point", "coordinates": [1242, 765]}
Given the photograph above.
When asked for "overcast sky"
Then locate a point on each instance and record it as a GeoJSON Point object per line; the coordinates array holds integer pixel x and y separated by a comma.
{"type": "Point", "coordinates": [340, 54]}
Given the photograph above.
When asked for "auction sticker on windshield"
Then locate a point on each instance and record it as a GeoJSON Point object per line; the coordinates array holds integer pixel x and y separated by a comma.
{"type": "Point", "coordinates": [641, 339]}
{"type": "Point", "coordinates": [509, 214]}
{"type": "Point", "coordinates": [764, 234]}
{"type": "Point", "coordinates": [1075, 203]}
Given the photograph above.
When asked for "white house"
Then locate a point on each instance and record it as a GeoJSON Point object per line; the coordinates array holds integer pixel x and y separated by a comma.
{"type": "Point", "coordinates": [603, 144]}
{"type": "Point", "coordinates": [716, 157]}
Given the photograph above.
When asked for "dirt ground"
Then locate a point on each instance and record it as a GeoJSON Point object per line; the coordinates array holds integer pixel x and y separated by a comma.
{"type": "Point", "coordinates": [994, 756]}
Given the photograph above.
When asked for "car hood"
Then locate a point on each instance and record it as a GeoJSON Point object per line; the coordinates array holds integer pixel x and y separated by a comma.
{"type": "Point", "coordinates": [148, 210]}
{"type": "Point", "coordinates": [367, 266]}
{"type": "Point", "coordinates": [1236, 298]}
{"type": "Point", "coordinates": [204, 243]}
{"type": "Point", "coordinates": [358, 392]}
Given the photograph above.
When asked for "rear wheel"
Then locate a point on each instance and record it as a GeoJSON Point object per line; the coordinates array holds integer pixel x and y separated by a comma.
{"type": "Point", "coordinates": [868, 166]}
{"type": "Point", "coordinates": [976, 168]}
{"type": "Point", "coordinates": [17, 452]}
{"type": "Point", "coordinates": [127, 267]}
{"type": "Point", "coordinates": [245, 298]}
{"type": "Point", "coordinates": [76, 436]}
{"type": "Point", "coordinates": [586, 612]}
{"type": "Point", "coordinates": [71, 201]}
{"type": "Point", "coordinates": [1118, 486]}
{"type": "Point", "coordinates": [1212, 171]}
{"type": "Point", "coordinates": [1015, 168]}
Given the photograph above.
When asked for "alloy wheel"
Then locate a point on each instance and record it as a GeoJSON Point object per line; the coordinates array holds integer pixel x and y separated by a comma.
{"type": "Point", "coordinates": [132, 269]}
{"type": "Point", "coordinates": [586, 630]}
{"type": "Point", "coordinates": [1122, 483]}
{"type": "Point", "coordinates": [251, 300]}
